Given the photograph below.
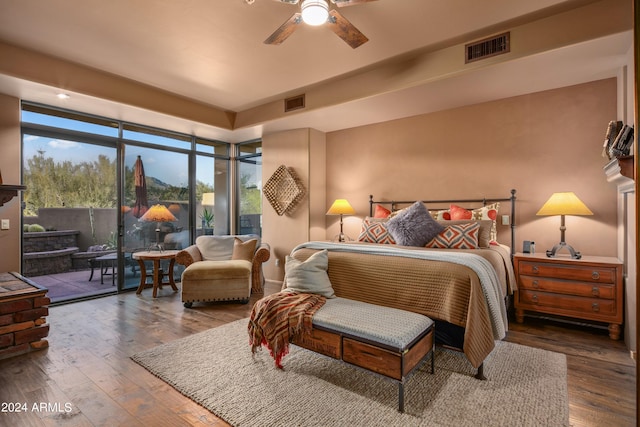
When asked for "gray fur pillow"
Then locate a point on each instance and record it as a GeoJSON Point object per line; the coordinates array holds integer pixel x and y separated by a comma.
{"type": "Point", "coordinates": [414, 226]}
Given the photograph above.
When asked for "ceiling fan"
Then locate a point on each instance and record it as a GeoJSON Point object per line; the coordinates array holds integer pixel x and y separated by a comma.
{"type": "Point", "coordinates": [316, 12]}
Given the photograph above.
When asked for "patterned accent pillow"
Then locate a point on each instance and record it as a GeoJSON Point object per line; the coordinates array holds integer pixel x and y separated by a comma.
{"type": "Point", "coordinates": [489, 212]}
{"type": "Point", "coordinates": [442, 215]}
{"type": "Point", "coordinates": [414, 226]}
{"type": "Point", "coordinates": [381, 212]}
{"type": "Point", "coordinates": [484, 234]}
{"type": "Point", "coordinates": [374, 230]}
{"type": "Point", "coordinates": [460, 236]}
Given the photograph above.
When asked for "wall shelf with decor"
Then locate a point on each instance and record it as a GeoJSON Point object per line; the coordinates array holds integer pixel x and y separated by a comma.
{"type": "Point", "coordinates": [620, 170]}
{"type": "Point", "coordinates": [626, 164]}
{"type": "Point", "coordinates": [8, 192]}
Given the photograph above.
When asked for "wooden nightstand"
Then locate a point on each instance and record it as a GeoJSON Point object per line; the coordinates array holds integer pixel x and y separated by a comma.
{"type": "Point", "coordinates": [590, 288]}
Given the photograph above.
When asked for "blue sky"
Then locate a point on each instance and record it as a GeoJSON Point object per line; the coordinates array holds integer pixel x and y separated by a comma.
{"type": "Point", "coordinates": [166, 166]}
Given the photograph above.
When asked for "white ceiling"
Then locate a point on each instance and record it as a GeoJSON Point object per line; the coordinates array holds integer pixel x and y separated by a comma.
{"type": "Point", "coordinates": [211, 51]}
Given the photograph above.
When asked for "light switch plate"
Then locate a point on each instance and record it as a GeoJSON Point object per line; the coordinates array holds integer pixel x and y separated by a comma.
{"type": "Point", "coordinates": [505, 220]}
{"type": "Point", "coordinates": [5, 224]}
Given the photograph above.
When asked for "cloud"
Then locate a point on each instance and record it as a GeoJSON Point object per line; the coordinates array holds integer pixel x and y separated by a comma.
{"type": "Point", "coordinates": [29, 138]}
{"type": "Point", "coordinates": [62, 144]}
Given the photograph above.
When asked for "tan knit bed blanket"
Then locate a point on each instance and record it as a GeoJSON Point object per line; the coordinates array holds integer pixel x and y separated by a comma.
{"type": "Point", "coordinates": [440, 290]}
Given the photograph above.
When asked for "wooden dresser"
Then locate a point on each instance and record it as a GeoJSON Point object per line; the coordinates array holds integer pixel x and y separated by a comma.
{"type": "Point", "coordinates": [590, 288]}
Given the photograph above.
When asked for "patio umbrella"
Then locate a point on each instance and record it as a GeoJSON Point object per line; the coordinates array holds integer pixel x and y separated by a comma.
{"type": "Point", "coordinates": [141, 205]}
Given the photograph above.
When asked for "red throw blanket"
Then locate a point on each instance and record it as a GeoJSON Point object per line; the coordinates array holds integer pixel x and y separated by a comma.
{"type": "Point", "coordinates": [276, 318]}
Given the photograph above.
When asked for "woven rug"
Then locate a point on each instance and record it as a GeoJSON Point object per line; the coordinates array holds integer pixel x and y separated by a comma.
{"type": "Point", "coordinates": [525, 386]}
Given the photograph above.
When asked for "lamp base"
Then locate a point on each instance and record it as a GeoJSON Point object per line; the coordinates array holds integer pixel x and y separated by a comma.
{"type": "Point", "coordinates": [342, 238]}
{"type": "Point", "coordinates": [557, 248]}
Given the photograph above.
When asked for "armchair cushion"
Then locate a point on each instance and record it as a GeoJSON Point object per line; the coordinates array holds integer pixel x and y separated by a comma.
{"type": "Point", "coordinates": [220, 248]}
{"type": "Point", "coordinates": [244, 250]}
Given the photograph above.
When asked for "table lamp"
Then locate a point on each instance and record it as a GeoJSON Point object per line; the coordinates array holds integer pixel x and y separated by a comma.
{"type": "Point", "coordinates": [562, 204]}
{"type": "Point", "coordinates": [158, 213]}
{"type": "Point", "coordinates": [341, 207]}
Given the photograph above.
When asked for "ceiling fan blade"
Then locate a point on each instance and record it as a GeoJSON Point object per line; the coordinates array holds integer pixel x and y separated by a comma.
{"type": "Point", "coordinates": [285, 30]}
{"type": "Point", "coordinates": [289, 1]}
{"type": "Point", "coordinates": [341, 3]}
{"type": "Point", "coordinates": [345, 29]}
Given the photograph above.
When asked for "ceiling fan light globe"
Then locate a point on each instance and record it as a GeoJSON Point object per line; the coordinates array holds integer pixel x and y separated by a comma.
{"type": "Point", "coordinates": [315, 12]}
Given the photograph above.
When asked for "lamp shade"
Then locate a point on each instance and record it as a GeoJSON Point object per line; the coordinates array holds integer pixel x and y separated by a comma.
{"type": "Point", "coordinates": [566, 203]}
{"type": "Point", "coordinates": [314, 12]}
{"type": "Point", "coordinates": [341, 207]}
{"type": "Point", "coordinates": [158, 213]}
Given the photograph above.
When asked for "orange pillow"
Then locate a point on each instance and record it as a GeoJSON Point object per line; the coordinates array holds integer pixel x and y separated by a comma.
{"type": "Point", "coordinates": [381, 212]}
{"type": "Point", "coordinates": [459, 213]}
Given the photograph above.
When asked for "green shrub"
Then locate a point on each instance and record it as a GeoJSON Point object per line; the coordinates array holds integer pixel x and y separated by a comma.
{"type": "Point", "coordinates": [35, 228]}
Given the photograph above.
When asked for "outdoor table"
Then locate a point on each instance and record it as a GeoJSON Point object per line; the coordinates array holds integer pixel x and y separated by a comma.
{"type": "Point", "coordinates": [106, 262]}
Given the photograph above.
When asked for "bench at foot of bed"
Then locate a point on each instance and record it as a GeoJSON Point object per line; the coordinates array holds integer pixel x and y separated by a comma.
{"type": "Point", "coordinates": [384, 340]}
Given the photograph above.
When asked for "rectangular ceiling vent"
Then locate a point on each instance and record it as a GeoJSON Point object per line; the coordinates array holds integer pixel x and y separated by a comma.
{"type": "Point", "coordinates": [294, 103]}
{"type": "Point", "coordinates": [486, 48]}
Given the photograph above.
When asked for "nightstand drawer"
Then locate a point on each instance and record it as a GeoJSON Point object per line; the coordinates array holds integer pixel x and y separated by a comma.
{"type": "Point", "coordinates": [567, 304]}
{"type": "Point", "coordinates": [582, 289]}
{"type": "Point", "coordinates": [569, 272]}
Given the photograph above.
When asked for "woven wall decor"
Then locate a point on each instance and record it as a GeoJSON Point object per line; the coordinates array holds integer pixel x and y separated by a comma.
{"type": "Point", "coordinates": [283, 190]}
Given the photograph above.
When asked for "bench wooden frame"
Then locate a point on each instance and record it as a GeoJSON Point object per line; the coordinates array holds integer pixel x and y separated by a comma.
{"type": "Point", "coordinates": [372, 356]}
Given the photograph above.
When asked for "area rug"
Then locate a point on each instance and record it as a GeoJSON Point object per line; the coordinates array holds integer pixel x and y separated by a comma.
{"type": "Point", "coordinates": [215, 368]}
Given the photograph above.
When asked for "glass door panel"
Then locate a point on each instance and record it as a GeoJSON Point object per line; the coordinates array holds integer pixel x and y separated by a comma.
{"type": "Point", "coordinates": [153, 179]}
{"type": "Point", "coordinates": [69, 216]}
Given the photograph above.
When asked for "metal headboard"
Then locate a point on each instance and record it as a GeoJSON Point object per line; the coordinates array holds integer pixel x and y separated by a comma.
{"type": "Point", "coordinates": [433, 204]}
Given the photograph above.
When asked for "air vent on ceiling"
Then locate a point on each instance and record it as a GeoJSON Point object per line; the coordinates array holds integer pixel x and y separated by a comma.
{"type": "Point", "coordinates": [294, 103]}
{"type": "Point", "coordinates": [487, 48]}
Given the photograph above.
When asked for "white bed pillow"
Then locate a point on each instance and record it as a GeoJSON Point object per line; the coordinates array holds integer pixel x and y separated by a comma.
{"type": "Point", "coordinates": [309, 276]}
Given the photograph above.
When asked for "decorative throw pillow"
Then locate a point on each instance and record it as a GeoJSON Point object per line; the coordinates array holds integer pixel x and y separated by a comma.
{"type": "Point", "coordinates": [441, 215]}
{"type": "Point", "coordinates": [374, 230]}
{"type": "Point", "coordinates": [484, 234]}
{"type": "Point", "coordinates": [244, 250]}
{"type": "Point", "coordinates": [460, 236]}
{"type": "Point", "coordinates": [489, 212]}
{"type": "Point", "coordinates": [414, 226]}
{"type": "Point", "coordinates": [396, 213]}
{"type": "Point", "coordinates": [381, 212]}
{"type": "Point", "coordinates": [458, 212]}
{"type": "Point", "coordinates": [309, 276]}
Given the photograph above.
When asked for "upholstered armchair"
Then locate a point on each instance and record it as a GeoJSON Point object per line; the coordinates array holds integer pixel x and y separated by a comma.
{"type": "Point", "coordinates": [223, 268]}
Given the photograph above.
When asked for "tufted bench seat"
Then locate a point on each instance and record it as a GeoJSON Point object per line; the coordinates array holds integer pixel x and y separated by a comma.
{"type": "Point", "coordinates": [384, 340]}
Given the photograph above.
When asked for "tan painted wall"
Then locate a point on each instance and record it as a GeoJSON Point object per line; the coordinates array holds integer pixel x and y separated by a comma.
{"type": "Point", "coordinates": [303, 151]}
{"type": "Point", "coordinates": [10, 169]}
{"type": "Point", "coordinates": [538, 144]}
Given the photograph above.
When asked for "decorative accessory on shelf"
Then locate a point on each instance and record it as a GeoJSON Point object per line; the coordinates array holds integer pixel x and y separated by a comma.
{"type": "Point", "coordinates": [283, 190]}
{"type": "Point", "coordinates": [341, 207]}
{"type": "Point", "coordinates": [562, 204]}
{"type": "Point", "coordinates": [158, 214]}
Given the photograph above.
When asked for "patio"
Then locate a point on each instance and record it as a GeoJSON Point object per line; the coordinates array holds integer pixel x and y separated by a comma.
{"type": "Point", "coordinates": [73, 285]}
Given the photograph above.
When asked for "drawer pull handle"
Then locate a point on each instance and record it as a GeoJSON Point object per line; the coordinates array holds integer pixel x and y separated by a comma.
{"type": "Point", "coordinates": [535, 269]}
{"type": "Point", "coordinates": [595, 307]}
{"type": "Point", "coordinates": [595, 291]}
{"type": "Point", "coordinates": [595, 275]}
{"type": "Point", "coordinates": [535, 284]}
{"type": "Point", "coordinates": [534, 298]}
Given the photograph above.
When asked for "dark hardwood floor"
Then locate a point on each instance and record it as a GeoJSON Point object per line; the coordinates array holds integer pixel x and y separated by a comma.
{"type": "Point", "coordinates": [88, 369]}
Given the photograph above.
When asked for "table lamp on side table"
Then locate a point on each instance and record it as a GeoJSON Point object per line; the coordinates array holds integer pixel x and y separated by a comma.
{"type": "Point", "coordinates": [341, 207]}
{"type": "Point", "coordinates": [562, 204]}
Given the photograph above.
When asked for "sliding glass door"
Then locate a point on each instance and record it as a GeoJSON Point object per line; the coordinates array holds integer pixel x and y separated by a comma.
{"type": "Point", "coordinates": [69, 217]}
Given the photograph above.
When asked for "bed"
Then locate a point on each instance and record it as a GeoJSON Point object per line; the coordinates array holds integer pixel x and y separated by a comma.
{"type": "Point", "coordinates": [466, 291]}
